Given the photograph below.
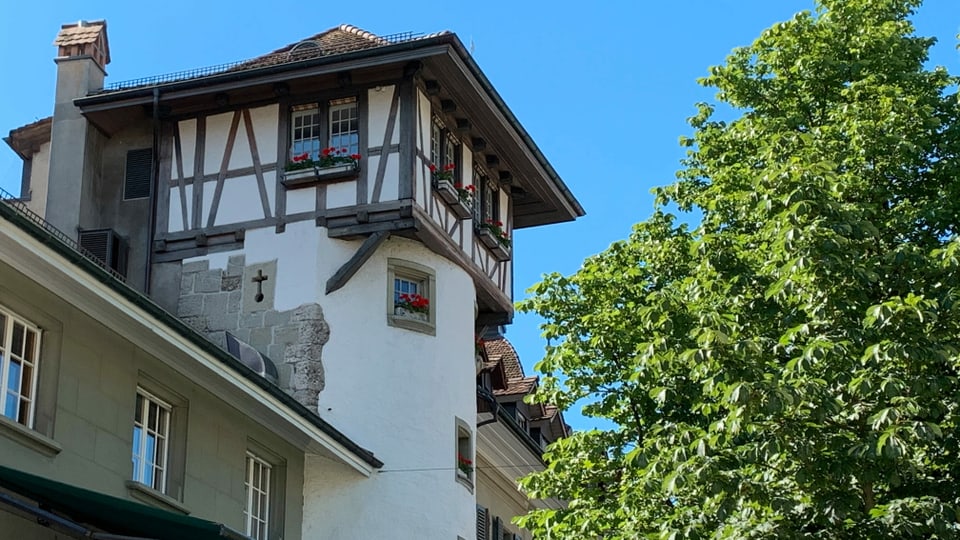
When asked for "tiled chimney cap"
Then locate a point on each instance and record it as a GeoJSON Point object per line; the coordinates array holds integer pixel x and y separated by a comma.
{"type": "Point", "coordinates": [84, 38]}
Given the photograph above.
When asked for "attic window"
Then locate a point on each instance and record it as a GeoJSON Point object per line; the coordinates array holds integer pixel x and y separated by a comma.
{"type": "Point", "coordinates": [303, 47]}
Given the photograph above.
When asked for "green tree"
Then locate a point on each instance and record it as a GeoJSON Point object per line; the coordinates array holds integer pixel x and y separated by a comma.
{"type": "Point", "coordinates": [789, 367]}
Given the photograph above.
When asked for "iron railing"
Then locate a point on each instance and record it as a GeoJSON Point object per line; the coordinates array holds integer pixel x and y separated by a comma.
{"type": "Point", "coordinates": [253, 63]}
{"type": "Point", "coordinates": [19, 206]}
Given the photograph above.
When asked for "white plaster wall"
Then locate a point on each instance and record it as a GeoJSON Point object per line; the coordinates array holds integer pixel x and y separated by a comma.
{"type": "Point", "coordinates": [175, 209]}
{"type": "Point", "coordinates": [343, 193]}
{"type": "Point", "coordinates": [239, 200]}
{"type": "Point", "coordinates": [188, 146]}
{"type": "Point", "coordinates": [398, 393]}
{"type": "Point", "coordinates": [394, 391]}
{"type": "Point", "coordinates": [301, 200]}
{"type": "Point", "coordinates": [378, 105]}
{"type": "Point", "coordinates": [390, 190]}
{"type": "Point", "coordinates": [39, 177]}
{"type": "Point", "coordinates": [265, 121]}
{"type": "Point", "coordinates": [215, 142]}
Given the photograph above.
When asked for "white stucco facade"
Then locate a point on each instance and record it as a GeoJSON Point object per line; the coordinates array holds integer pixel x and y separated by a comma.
{"type": "Point", "coordinates": [397, 392]}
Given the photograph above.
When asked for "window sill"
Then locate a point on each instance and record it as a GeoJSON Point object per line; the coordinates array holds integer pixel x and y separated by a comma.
{"type": "Point", "coordinates": [312, 177]}
{"type": "Point", "coordinates": [500, 251]}
{"type": "Point", "coordinates": [464, 480]}
{"type": "Point", "coordinates": [451, 195]}
{"type": "Point", "coordinates": [407, 323]}
{"type": "Point", "coordinates": [28, 437]}
{"type": "Point", "coordinates": [151, 496]}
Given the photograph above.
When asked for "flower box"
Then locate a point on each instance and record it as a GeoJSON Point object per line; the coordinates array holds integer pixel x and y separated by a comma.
{"type": "Point", "coordinates": [459, 205]}
{"type": "Point", "coordinates": [500, 251]}
{"type": "Point", "coordinates": [314, 175]}
{"type": "Point", "coordinates": [406, 313]}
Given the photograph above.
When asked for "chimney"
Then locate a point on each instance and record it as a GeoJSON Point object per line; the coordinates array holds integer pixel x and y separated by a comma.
{"type": "Point", "coordinates": [82, 57]}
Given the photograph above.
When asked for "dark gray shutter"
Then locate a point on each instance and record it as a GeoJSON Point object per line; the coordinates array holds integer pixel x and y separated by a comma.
{"type": "Point", "coordinates": [482, 523]}
{"type": "Point", "coordinates": [136, 182]}
{"type": "Point", "coordinates": [107, 246]}
{"type": "Point", "coordinates": [496, 529]}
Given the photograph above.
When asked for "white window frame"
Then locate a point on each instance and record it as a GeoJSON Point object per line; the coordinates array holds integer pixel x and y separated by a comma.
{"type": "Point", "coordinates": [303, 114]}
{"type": "Point", "coordinates": [321, 126]}
{"type": "Point", "coordinates": [24, 359]}
{"type": "Point", "coordinates": [258, 482]}
{"type": "Point", "coordinates": [335, 108]}
{"type": "Point", "coordinates": [161, 431]}
{"type": "Point", "coordinates": [464, 447]}
{"type": "Point", "coordinates": [425, 278]}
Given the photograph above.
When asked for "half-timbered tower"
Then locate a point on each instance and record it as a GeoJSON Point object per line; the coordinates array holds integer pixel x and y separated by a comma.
{"type": "Point", "coordinates": [339, 214]}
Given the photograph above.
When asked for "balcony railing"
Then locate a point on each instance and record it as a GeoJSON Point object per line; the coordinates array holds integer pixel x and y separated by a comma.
{"type": "Point", "coordinates": [19, 207]}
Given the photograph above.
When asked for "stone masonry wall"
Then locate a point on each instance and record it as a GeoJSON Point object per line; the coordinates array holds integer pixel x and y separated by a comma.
{"type": "Point", "coordinates": [216, 301]}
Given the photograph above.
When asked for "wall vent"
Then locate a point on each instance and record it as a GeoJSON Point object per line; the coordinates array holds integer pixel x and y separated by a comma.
{"type": "Point", "coordinates": [108, 246]}
{"type": "Point", "coordinates": [136, 180]}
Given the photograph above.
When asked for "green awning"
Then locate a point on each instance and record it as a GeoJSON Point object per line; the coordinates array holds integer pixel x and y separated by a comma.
{"type": "Point", "coordinates": [112, 515]}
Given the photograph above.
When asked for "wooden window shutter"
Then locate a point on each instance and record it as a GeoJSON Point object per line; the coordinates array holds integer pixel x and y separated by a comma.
{"type": "Point", "coordinates": [482, 523]}
{"type": "Point", "coordinates": [496, 529]}
{"type": "Point", "coordinates": [136, 181]}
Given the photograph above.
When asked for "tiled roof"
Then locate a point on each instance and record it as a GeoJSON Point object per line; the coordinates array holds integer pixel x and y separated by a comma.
{"type": "Point", "coordinates": [338, 40]}
{"type": "Point", "coordinates": [26, 140]}
{"type": "Point", "coordinates": [79, 33]}
{"type": "Point", "coordinates": [500, 350]}
{"type": "Point", "coordinates": [524, 386]}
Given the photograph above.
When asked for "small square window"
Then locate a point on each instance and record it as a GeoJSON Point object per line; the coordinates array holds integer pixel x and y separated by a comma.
{"type": "Point", "coordinates": [411, 295]}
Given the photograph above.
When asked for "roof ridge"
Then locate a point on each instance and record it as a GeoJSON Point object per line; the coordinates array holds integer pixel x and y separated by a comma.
{"type": "Point", "coordinates": [360, 32]}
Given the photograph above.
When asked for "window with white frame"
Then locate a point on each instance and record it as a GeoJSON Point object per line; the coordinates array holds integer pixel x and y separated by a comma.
{"type": "Point", "coordinates": [151, 439]}
{"type": "Point", "coordinates": [313, 128]}
{"type": "Point", "coordinates": [411, 294]}
{"type": "Point", "coordinates": [465, 465]}
{"type": "Point", "coordinates": [344, 125]}
{"type": "Point", "coordinates": [444, 147]}
{"type": "Point", "coordinates": [256, 514]}
{"type": "Point", "coordinates": [436, 142]}
{"type": "Point", "coordinates": [306, 130]}
{"type": "Point", "coordinates": [19, 356]}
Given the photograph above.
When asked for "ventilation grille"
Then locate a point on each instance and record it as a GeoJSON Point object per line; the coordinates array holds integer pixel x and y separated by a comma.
{"type": "Point", "coordinates": [482, 523]}
{"type": "Point", "coordinates": [136, 183]}
{"type": "Point", "coordinates": [107, 246]}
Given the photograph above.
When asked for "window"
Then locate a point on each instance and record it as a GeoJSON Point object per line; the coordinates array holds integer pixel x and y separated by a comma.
{"type": "Point", "coordinates": [465, 466]}
{"type": "Point", "coordinates": [344, 129]}
{"type": "Point", "coordinates": [410, 293]}
{"type": "Point", "coordinates": [151, 438]}
{"type": "Point", "coordinates": [522, 421]}
{"type": "Point", "coordinates": [488, 207]}
{"type": "Point", "coordinates": [314, 128]}
{"type": "Point", "coordinates": [257, 488]}
{"type": "Point", "coordinates": [19, 356]}
{"type": "Point", "coordinates": [444, 147]}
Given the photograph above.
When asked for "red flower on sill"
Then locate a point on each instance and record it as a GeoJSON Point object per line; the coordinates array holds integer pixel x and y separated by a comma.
{"type": "Point", "coordinates": [464, 464]}
{"type": "Point", "coordinates": [413, 302]}
{"type": "Point", "coordinates": [328, 157]}
{"type": "Point", "coordinates": [496, 227]}
{"type": "Point", "coordinates": [443, 173]}
{"type": "Point", "coordinates": [466, 192]}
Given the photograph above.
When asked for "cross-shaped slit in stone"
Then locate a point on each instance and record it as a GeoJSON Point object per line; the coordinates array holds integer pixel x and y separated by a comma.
{"type": "Point", "coordinates": [259, 279]}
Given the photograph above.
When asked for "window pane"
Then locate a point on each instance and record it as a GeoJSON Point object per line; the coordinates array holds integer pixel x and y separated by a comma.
{"type": "Point", "coordinates": [10, 408]}
{"type": "Point", "coordinates": [16, 347]}
{"type": "Point", "coordinates": [29, 349]}
{"type": "Point", "coordinates": [3, 330]}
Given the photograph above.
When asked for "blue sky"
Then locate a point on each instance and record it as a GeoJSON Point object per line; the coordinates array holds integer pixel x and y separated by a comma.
{"type": "Point", "coordinates": [604, 88]}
